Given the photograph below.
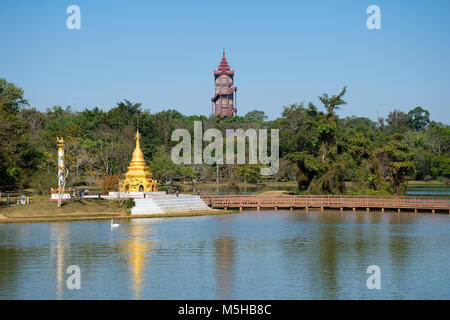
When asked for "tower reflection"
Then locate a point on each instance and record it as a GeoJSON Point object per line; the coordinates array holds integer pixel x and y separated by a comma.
{"type": "Point", "coordinates": [224, 253]}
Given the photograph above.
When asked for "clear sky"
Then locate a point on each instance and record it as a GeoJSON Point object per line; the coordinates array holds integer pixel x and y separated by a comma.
{"type": "Point", "coordinates": [162, 53]}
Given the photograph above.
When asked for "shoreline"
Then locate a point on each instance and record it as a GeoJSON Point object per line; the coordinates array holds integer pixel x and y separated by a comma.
{"type": "Point", "coordinates": [41, 209]}
{"type": "Point", "coordinates": [107, 216]}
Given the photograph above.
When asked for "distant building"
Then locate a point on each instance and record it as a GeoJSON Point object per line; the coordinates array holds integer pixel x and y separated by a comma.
{"type": "Point", "coordinates": [224, 102]}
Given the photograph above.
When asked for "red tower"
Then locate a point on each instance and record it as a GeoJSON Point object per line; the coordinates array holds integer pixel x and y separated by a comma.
{"type": "Point", "coordinates": [224, 94]}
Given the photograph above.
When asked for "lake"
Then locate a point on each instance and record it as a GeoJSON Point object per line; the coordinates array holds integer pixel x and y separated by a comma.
{"type": "Point", "coordinates": [436, 191]}
{"type": "Point", "coordinates": [253, 255]}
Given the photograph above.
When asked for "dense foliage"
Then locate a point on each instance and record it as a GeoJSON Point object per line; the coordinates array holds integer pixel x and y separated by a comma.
{"type": "Point", "coordinates": [319, 150]}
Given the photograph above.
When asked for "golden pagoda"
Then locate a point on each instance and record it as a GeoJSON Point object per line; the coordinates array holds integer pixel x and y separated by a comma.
{"type": "Point", "coordinates": [138, 178]}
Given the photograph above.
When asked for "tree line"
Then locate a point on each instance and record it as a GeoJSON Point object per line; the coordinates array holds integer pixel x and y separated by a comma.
{"type": "Point", "coordinates": [323, 153]}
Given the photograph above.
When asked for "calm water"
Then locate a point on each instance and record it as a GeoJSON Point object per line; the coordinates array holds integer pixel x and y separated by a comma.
{"type": "Point", "coordinates": [265, 255]}
{"type": "Point", "coordinates": [440, 191]}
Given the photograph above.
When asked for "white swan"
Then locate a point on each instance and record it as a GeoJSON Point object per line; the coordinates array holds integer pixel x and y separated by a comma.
{"type": "Point", "coordinates": [114, 224]}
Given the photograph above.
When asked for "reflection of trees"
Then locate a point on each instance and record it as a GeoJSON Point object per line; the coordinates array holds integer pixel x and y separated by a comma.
{"type": "Point", "coordinates": [378, 222]}
{"type": "Point", "coordinates": [337, 242]}
{"type": "Point", "coordinates": [401, 245]}
{"type": "Point", "coordinates": [321, 253]}
{"type": "Point", "coordinates": [328, 254]}
{"type": "Point", "coordinates": [362, 242]}
{"type": "Point", "coordinates": [224, 265]}
{"type": "Point", "coordinates": [10, 259]}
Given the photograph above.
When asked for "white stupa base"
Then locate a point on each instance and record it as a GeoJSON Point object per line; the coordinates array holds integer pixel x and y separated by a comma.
{"type": "Point", "coordinates": [169, 204]}
{"type": "Point", "coordinates": [136, 195]}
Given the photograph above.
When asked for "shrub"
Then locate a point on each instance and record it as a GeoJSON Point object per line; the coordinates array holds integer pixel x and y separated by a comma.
{"type": "Point", "coordinates": [110, 183]}
{"type": "Point", "coordinates": [42, 183]}
{"type": "Point", "coordinates": [129, 203]}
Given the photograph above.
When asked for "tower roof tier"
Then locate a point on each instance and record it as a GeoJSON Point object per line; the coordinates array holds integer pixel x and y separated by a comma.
{"type": "Point", "coordinates": [224, 68]}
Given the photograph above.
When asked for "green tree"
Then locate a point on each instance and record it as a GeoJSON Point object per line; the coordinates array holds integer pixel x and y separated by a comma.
{"type": "Point", "coordinates": [444, 166]}
{"type": "Point", "coordinates": [18, 158]}
{"type": "Point", "coordinates": [256, 115]}
{"type": "Point", "coordinates": [11, 97]}
{"type": "Point", "coordinates": [398, 121]}
{"type": "Point", "coordinates": [249, 173]}
{"type": "Point", "coordinates": [400, 164]}
{"type": "Point", "coordinates": [125, 114]}
{"type": "Point", "coordinates": [162, 167]}
{"type": "Point", "coordinates": [188, 173]}
{"type": "Point", "coordinates": [419, 118]}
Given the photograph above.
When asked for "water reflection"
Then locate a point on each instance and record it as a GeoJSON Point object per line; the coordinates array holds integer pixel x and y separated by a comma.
{"type": "Point", "coordinates": [255, 255]}
{"type": "Point", "coordinates": [436, 191]}
{"type": "Point", "coordinates": [137, 246]}
{"type": "Point", "coordinates": [224, 253]}
{"type": "Point", "coordinates": [328, 261]}
{"type": "Point", "coordinates": [59, 233]}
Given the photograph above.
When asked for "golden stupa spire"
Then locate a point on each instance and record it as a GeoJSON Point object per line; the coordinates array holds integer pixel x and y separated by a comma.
{"type": "Point", "coordinates": [137, 158]}
{"type": "Point", "coordinates": [138, 135]}
{"type": "Point", "coordinates": [138, 177]}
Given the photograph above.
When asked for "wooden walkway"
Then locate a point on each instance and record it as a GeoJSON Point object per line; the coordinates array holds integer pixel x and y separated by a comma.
{"type": "Point", "coordinates": [323, 201]}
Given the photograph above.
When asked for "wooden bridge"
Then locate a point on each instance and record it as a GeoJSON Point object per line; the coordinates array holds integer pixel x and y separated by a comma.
{"type": "Point", "coordinates": [333, 202]}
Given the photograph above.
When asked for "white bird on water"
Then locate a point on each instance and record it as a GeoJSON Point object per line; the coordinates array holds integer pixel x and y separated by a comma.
{"type": "Point", "coordinates": [114, 224]}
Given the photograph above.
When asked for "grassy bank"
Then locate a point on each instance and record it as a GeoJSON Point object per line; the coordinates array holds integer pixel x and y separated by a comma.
{"type": "Point", "coordinates": [40, 208]}
{"type": "Point", "coordinates": [428, 184]}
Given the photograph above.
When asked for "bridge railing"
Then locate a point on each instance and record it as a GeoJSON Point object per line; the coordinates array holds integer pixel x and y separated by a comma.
{"type": "Point", "coordinates": [339, 201]}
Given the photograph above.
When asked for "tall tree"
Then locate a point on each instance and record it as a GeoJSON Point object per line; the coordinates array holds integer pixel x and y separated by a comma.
{"type": "Point", "coordinates": [419, 118]}
{"type": "Point", "coordinates": [400, 163]}
{"type": "Point", "coordinates": [11, 97]}
{"type": "Point", "coordinates": [18, 159]}
{"type": "Point", "coordinates": [256, 115]}
{"type": "Point", "coordinates": [398, 121]}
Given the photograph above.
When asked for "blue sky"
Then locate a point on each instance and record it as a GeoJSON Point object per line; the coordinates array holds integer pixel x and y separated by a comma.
{"type": "Point", "coordinates": [162, 54]}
